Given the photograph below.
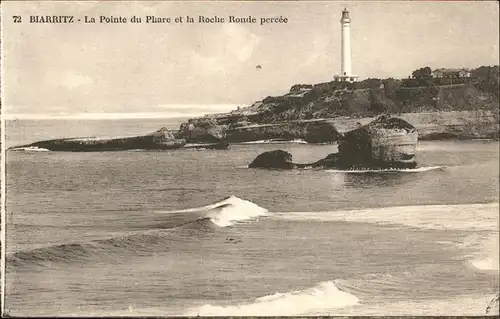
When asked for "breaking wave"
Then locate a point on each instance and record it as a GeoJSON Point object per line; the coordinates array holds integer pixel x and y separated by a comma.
{"type": "Point", "coordinates": [489, 263]}
{"type": "Point", "coordinates": [322, 298]}
{"type": "Point", "coordinates": [486, 251]}
{"type": "Point", "coordinates": [168, 232]}
{"type": "Point", "coordinates": [404, 170]}
{"type": "Point", "coordinates": [228, 211]}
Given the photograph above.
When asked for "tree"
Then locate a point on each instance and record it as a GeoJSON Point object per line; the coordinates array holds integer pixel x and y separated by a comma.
{"type": "Point", "coordinates": [390, 86]}
{"type": "Point", "coordinates": [488, 78]}
{"type": "Point", "coordinates": [425, 72]}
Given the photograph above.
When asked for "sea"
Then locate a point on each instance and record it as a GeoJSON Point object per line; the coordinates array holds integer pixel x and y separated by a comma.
{"type": "Point", "coordinates": [198, 233]}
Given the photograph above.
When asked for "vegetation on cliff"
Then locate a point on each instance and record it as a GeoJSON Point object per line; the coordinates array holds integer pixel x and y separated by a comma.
{"type": "Point", "coordinates": [367, 98]}
{"type": "Point", "coordinates": [372, 97]}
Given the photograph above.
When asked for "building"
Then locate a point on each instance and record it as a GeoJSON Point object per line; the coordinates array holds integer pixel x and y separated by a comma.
{"type": "Point", "coordinates": [451, 73]}
{"type": "Point", "coordinates": [345, 67]}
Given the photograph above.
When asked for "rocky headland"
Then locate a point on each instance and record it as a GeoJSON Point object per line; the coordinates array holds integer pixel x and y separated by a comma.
{"type": "Point", "coordinates": [162, 139]}
{"type": "Point", "coordinates": [439, 108]}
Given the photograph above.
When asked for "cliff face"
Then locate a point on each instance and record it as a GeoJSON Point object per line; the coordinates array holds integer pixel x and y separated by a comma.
{"type": "Point", "coordinates": [455, 124]}
{"type": "Point", "coordinates": [290, 116]}
{"type": "Point", "coordinates": [319, 131]}
{"type": "Point", "coordinates": [439, 125]}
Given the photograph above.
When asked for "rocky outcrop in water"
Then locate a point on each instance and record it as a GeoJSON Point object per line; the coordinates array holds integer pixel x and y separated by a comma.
{"type": "Point", "coordinates": [277, 159]}
{"type": "Point", "coordinates": [387, 142]}
{"type": "Point", "coordinates": [162, 139]}
{"type": "Point", "coordinates": [384, 143]}
{"type": "Point", "coordinates": [204, 130]}
{"type": "Point", "coordinates": [159, 140]}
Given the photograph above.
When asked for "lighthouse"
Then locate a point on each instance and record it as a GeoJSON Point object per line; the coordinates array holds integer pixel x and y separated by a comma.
{"type": "Point", "coordinates": [345, 62]}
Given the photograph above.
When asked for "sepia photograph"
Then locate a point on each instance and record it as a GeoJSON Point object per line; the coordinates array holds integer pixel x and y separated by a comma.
{"type": "Point", "coordinates": [250, 158]}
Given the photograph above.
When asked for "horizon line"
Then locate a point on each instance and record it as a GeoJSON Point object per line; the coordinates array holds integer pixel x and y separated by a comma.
{"type": "Point", "coordinates": [111, 115]}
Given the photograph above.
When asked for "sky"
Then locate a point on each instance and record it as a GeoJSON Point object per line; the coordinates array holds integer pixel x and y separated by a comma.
{"type": "Point", "coordinates": [148, 70]}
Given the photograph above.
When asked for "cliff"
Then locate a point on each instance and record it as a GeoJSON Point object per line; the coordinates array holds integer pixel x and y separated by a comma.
{"type": "Point", "coordinates": [311, 131]}
{"type": "Point", "coordinates": [457, 108]}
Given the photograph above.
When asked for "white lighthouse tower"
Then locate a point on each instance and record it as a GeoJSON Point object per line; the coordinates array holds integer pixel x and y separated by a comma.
{"type": "Point", "coordinates": [345, 66]}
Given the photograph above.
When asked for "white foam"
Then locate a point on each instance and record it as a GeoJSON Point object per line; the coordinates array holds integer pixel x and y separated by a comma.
{"type": "Point", "coordinates": [228, 211]}
{"type": "Point", "coordinates": [263, 142]}
{"type": "Point", "coordinates": [467, 305]}
{"type": "Point", "coordinates": [408, 170]}
{"type": "Point", "coordinates": [322, 297]}
{"type": "Point", "coordinates": [31, 149]}
{"type": "Point", "coordinates": [487, 256]}
{"type": "Point", "coordinates": [276, 141]}
{"type": "Point", "coordinates": [298, 141]}
{"type": "Point", "coordinates": [460, 217]}
{"type": "Point", "coordinates": [233, 210]}
{"type": "Point", "coordinates": [490, 263]}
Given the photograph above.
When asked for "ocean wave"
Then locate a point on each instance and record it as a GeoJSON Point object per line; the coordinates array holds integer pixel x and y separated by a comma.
{"type": "Point", "coordinates": [489, 263]}
{"type": "Point", "coordinates": [133, 243]}
{"type": "Point", "coordinates": [447, 306]}
{"type": "Point", "coordinates": [323, 297]}
{"type": "Point", "coordinates": [403, 170]}
{"type": "Point", "coordinates": [228, 211]}
{"type": "Point", "coordinates": [458, 217]}
{"type": "Point", "coordinates": [83, 251]}
{"type": "Point", "coordinates": [167, 231]}
{"type": "Point", "coordinates": [30, 149]}
{"type": "Point", "coordinates": [486, 251]}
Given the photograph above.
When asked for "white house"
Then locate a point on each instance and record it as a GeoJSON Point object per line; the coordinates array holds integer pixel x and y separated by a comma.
{"type": "Point", "coordinates": [451, 73]}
